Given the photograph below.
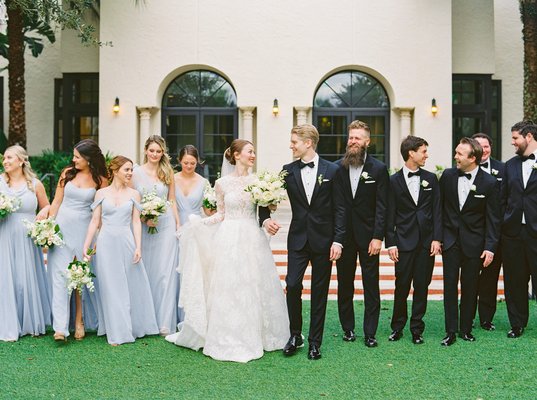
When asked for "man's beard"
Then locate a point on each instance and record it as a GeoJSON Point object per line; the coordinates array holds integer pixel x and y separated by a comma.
{"type": "Point", "coordinates": [354, 158]}
{"type": "Point", "coordinates": [520, 151]}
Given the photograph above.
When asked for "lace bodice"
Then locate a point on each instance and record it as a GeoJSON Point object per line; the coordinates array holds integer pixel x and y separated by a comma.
{"type": "Point", "coordinates": [232, 201]}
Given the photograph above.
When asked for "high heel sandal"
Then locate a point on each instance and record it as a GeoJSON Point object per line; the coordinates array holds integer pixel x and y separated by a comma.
{"type": "Point", "coordinates": [79, 332]}
{"type": "Point", "coordinates": [59, 337]}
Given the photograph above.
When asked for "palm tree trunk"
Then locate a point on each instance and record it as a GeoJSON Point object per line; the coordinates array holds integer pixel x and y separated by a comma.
{"type": "Point", "coordinates": [17, 100]}
{"type": "Point", "coordinates": [528, 13]}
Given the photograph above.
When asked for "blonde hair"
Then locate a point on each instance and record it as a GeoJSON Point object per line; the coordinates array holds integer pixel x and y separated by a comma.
{"type": "Point", "coordinates": [236, 147]}
{"type": "Point", "coordinates": [357, 124]}
{"type": "Point", "coordinates": [22, 155]}
{"type": "Point", "coordinates": [307, 131]}
{"type": "Point", "coordinates": [165, 169]}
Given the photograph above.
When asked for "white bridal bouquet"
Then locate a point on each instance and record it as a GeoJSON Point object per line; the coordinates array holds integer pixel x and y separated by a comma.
{"type": "Point", "coordinates": [153, 207]}
{"type": "Point", "coordinates": [209, 197]}
{"type": "Point", "coordinates": [45, 233]}
{"type": "Point", "coordinates": [8, 204]}
{"type": "Point", "coordinates": [79, 274]}
{"type": "Point", "coordinates": [268, 188]}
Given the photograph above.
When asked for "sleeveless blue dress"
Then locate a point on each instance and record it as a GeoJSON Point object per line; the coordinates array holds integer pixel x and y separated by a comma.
{"type": "Point", "coordinates": [191, 204]}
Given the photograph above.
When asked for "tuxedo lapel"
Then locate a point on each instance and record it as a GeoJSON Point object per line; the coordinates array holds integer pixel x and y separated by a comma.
{"type": "Point", "coordinates": [299, 183]}
{"type": "Point", "coordinates": [533, 176]}
{"type": "Point", "coordinates": [455, 189]}
{"type": "Point", "coordinates": [367, 168]}
{"type": "Point", "coordinates": [518, 172]}
{"type": "Point", "coordinates": [477, 183]}
{"type": "Point", "coordinates": [321, 173]}
{"type": "Point", "coordinates": [400, 178]}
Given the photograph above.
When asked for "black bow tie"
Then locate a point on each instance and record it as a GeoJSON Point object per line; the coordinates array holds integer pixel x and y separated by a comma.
{"type": "Point", "coordinates": [468, 176]}
{"type": "Point", "coordinates": [530, 157]}
{"type": "Point", "coordinates": [485, 164]}
{"type": "Point", "coordinates": [303, 164]}
{"type": "Point", "coordinates": [411, 174]}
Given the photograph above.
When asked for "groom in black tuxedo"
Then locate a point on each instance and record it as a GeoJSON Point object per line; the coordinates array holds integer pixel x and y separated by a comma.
{"type": "Point", "coordinates": [519, 228]}
{"type": "Point", "coordinates": [471, 221]}
{"type": "Point", "coordinates": [413, 235]}
{"type": "Point", "coordinates": [364, 181]}
{"type": "Point", "coordinates": [316, 235]}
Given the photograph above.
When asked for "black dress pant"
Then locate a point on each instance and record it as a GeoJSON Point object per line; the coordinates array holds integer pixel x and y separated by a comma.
{"type": "Point", "coordinates": [487, 291]}
{"type": "Point", "coordinates": [454, 262]}
{"type": "Point", "coordinates": [346, 271]}
{"type": "Point", "coordinates": [519, 263]}
{"type": "Point", "coordinates": [321, 268]}
{"type": "Point", "coordinates": [416, 268]}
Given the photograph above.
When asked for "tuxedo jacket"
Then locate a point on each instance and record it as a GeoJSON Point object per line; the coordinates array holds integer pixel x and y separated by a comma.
{"type": "Point", "coordinates": [517, 199]}
{"type": "Point", "coordinates": [408, 224]}
{"type": "Point", "coordinates": [366, 210]}
{"type": "Point", "coordinates": [321, 222]}
{"type": "Point", "coordinates": [477, 226]}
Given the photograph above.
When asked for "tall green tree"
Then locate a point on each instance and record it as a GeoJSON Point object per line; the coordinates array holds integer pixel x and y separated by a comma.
{"type": "Point", "coordinates": [528, 13]}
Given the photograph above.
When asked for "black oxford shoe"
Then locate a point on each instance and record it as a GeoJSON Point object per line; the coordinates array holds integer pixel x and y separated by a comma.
{"type": "Point", "coordinates": [395, 336]}
{"type": "Point", "coordinates": [314, 352]}
{"type": "Point", "coordinates": [515, 332]}
{"type": "Point", "coordinates": [295, 342]}
{"type": "Point", "coordinates": [448, 340]}
{"type": "Point", "coordinates": [467, 336]}
{"type": "Point", "coordinates": [349, 336]}
{"type": "Point", "coordinates": [488, 326]}
{"type": "Point", "coordinates": [417, 338]}
{"type": "Point", "coordinates": [370, 341]}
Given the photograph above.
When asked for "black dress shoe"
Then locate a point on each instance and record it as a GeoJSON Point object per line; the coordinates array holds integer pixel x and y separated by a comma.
{"type": "Point", "coordinates": [448, 340]}
{"type": "Point", "coordinates": [349, 336]}
{"type": "Point", "coordinates": [467, 336]}
{"type": "Point", "coordinates": [295, 342]}
{"type": "Point", "coordinates": [417, 338]}
{"type": "Point", "coordinates": [488, 326]}
{"type": "Point", "coordinates": [370, 341]}
{"type": "Point", "coordinates": [314, 352]}
{"type": "Point", "coordinates": [395, 336]}
{"type": "Point", "coordinates": [515, 332]}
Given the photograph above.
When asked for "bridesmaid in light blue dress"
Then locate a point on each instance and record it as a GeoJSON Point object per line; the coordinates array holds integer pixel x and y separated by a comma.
{"type": "Point", "coordinates": [24, 302]}
{"type": "Point", "coordinates": [160, 250]}
{"type": "Point", "coordinates": [71, 209]}
{"type": "Point", "coordinates": [126, 309]}
{"type": "Point", "coordinates": [189, 186]}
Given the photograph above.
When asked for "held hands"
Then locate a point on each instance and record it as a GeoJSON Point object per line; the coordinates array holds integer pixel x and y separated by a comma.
{"type": "Point", "coordinates": [436, 248]}
{"type": "Point", "coordinates": [272, 207]}
{"type": "Point", "coordinates": [271, 226]}
{"type": "Point", "coordinates": [488, 256]}
{"type": "Point", "coordinates": [374, 247]}
{"type": "Point", "coordinates": [335, 252]}
{"type": "Point", "coordinates": [137, 256]}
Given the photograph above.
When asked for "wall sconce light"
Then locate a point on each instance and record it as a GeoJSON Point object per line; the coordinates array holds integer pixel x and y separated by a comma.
{"type": "Point", "coordinates": [115, 109]}
{"type": "Point", "coordinates": [275, 107]}
{"type": "Point", "coordinates": [434, 108]}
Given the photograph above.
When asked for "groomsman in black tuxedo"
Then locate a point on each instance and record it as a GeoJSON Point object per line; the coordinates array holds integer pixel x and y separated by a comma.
{"type": "Point", "coordinates": [316, 235]}
{"type": "Point", "coordinates": [471, 222]}
{"type": "Point", "coordinates": [487, 291]}
{"type": "Point", "coordinates": [413, 235]}
{"type": "Point", "coordinates": [364, 181]}
{"type": "Point", "coordinates": [519, 228]}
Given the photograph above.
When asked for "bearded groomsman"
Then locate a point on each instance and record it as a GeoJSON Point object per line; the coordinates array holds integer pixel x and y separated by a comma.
{"type": "Point", "coordinates": [413, 235]}
{"type": "Point", "coordinates": [471, 218]}
{"type": "Point", "coordinates": [365, 184]}
{"type": "Point", "coordinates": [487, 291]}
{"type": "Point", "coordinates": [519, 228]}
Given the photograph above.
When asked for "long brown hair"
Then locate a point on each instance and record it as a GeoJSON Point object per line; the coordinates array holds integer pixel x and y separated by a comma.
{"type": "Point", "coordinates": [91, 152]}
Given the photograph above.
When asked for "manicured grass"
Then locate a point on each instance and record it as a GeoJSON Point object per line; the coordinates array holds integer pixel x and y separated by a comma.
{"type": "Point", "coordinates": [493, 367]}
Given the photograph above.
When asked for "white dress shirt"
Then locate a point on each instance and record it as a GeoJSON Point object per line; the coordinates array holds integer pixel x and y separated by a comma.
{"type": "Point", "coordinates": [464, 186]}
{"type": "Point", "coordinates": [309, 176]}
{"type": "Point", "coordinates": [354, 176]}
{"type": "Point", "coordinates": [527, 169]}
{"type": "Point", "coordinates": [413, 184]}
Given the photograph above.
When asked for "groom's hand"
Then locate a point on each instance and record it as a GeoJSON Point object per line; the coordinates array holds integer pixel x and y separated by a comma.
{"type": "Point", "coordinates": [271, 226]}
{"type": "Point", "coordinates": [335, 252]}
{"type": "Point", "coordinates": [374, 247]}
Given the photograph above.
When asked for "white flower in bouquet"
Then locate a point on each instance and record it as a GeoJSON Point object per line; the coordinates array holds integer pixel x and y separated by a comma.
{"type": "Point", "coordinates": [79, 275]}
{"type": "Point", "coordinates": [45, 233]}
{"type": "Point", "coordinates": [153, 207]}
{"type": "Point", "coordinates": [209, 197]}
{"type": "Point", "coordinates": [268, 188]}
{"type": "Point", "coordinates": [8, 204]}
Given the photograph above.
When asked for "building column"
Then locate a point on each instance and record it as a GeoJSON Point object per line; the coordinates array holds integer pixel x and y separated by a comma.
{"type": "Point", "coordinates": [405, 120]}
{"type": "Point", "coordinates": [247, 123]}
{"type": "Point", "coordinates": [144, 116]}
{"type": "Point", "coordinates": [302, 115]}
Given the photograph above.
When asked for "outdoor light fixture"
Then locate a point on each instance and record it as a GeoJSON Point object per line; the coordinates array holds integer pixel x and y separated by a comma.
{"type": "Point", "coordinates": [275, 107]}
{"type": "Point", "coordinates": [115, 109]}
{"type": "Point", "coordinates": [434, 108]}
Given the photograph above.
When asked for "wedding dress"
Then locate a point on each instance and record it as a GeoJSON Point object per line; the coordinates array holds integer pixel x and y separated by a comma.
{"type": "Point", "coordinates": [231, 294]}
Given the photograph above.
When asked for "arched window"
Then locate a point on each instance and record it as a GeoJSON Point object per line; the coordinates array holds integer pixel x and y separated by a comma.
{"type": "Point", "coordinates": [345, 97]}
{"type": "Point", "coordinates": [200, 108]}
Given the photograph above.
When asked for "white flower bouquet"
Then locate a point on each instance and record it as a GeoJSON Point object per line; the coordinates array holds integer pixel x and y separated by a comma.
{"type": "Point", "coordinates": [153, 207]}
{"type": "Point", "coordinates": [209, 197]}
{"type": "Point", "coordinates": [8, 204]}
{"type": "Point", "coordinates": [268, 188]}
{"type": "Point", "coordinates": [78, 275]}
{"type": "Point", "coordinates": [45, 233]}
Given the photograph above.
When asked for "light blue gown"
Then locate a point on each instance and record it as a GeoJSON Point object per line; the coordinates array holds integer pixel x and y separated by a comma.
{"type": "Point", "coordinates": [73, 218]}
{"type": "Point", "coordinates": [125, 306]}
{"type": "Point", "coordinates": [25, 306]}
{"type": "Point", "coordinates": [160, 252]}
{"type": "Point", "coordinates": [191, 204]}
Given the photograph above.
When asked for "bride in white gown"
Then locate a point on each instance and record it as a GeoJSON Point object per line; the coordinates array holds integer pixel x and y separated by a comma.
{"type": "Point", "coordinates": [231, 294]}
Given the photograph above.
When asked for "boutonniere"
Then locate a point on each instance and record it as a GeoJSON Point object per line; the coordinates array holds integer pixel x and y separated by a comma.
{"type": "Point", "coordinates": [495, 171]}
{"type": "Point", "coordinates": [424, 184]}
{"type": "Point", "coordinates": [473, 188]}
{"type": "Point", "coordinates": [365, 176]}
{"type": "Point", "coordinates": [320, 179]}
{"type": "Point", "coordinates": [534, 166]}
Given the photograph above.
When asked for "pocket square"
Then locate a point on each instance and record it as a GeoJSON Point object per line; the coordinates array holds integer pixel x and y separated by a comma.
{"type": "Point", "coordinates": [370, 181]}
{"type": "Point", "coordinates": [479, 196]}
{"type": "Point", "coordinates": [499, 179]}
{"type": "Point", "coordinates": [426, 190]}
{"type": "Point", "coordinates": [326, 180]}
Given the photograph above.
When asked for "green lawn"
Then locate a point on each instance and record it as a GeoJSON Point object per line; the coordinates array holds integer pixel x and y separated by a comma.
{"type": "Point", "coordinates": [493, 367]}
